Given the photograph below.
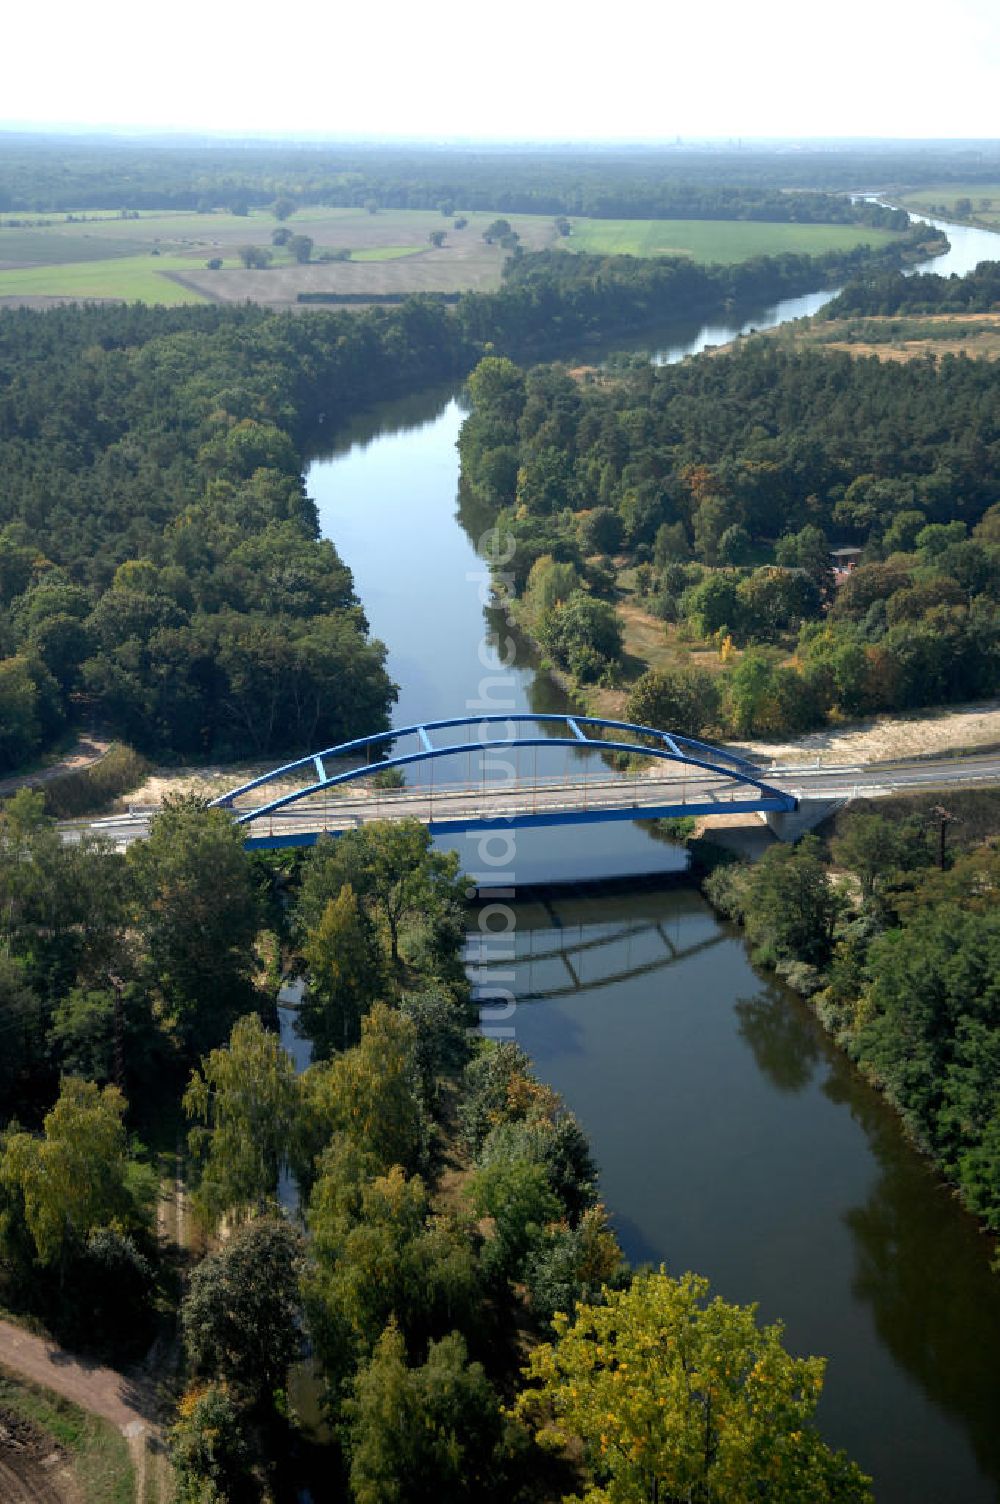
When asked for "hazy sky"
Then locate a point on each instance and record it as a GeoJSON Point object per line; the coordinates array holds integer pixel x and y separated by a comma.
{"type": "Point", "coordinates": [518, 69]}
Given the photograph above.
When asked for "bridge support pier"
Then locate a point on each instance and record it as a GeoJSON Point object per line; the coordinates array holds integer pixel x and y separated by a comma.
{"type": "Point", "coordinates": [790, 824]}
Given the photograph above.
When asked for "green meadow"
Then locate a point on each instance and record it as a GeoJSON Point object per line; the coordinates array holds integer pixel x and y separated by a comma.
{"type": "Point", "coordinates": [134, 278]}
{"type": "Point", "coordinates": [947, 200]}
{"type": "Point", "coordinates": [46, 247]}
{"type": "Point", "coordinates": [385, 252]}
{"type": "Point", "coordinates": [722, 240]}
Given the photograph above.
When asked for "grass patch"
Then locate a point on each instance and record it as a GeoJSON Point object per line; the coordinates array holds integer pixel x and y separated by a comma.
{"type": "Point", "coordinates": [90, 790]}
{"type": "Point", "coordinates": [647, 643]}
{"type": "Point", "coordinates": [133, 278]}
{"type": "Point", "coordinates": [896, 337]}
{"type": "Point", "coordinates": [44, 247]}
{"type": "Point", "coordinates": [947, 193]}
{"type": "Point", "coordinates": [386, 252]}
{"type": "Point", "coordinates": [661, 645]}
{"type": "Point", "coordinates": [100, 1454]}
{"type": "Point", "coordinates": [943, 202]}
{"type": "Point", "coordinates": [719, 240]}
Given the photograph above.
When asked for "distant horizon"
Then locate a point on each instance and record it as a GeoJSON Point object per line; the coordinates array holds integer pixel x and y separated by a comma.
{"type": "Point", "coordinates": [193, 135]}
{"type": "Point", "coordinates": [531, 73]}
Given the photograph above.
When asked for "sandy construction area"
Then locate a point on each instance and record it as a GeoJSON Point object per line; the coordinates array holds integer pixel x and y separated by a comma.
{"type": "Point", "coordinates": [210, 782]}
{"type": "Point", "coordinates": [888, 737]}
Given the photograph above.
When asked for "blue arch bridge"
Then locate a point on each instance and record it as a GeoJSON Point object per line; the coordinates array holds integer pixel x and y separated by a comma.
{"type": "Point", "coordinates": [502, 771]}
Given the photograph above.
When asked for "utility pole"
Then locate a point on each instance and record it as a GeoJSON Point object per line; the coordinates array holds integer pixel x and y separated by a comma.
{"type": "Point", "coordinates": [944, 819]}
{"type": "Point", "coordinates": [118, 986]}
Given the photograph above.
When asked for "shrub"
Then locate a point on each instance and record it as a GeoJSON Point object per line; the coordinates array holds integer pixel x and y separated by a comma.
{"type": "Point", "coordinates": [91, 789]}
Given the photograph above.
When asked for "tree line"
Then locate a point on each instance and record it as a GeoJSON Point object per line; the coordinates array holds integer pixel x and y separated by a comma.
{"type": "Point", "coordinates": [882, 294]}
{"type": "Point", "coordinates": [64, 175]}
{"type": "Point", "coordinates": [897, 946]}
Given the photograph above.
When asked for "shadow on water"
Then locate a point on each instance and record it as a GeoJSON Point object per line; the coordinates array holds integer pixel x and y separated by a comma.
{"type": "Point", "coordinates": [921, 1264]}
{"type": "Point", "coordinates": [784, 1048]}
{"type": "Point", "coordinates": [922, 1269]}
{"type": "Point", "coordinates": [383, 420]}
{"type": "Point", "coordinates": [641, 1252]}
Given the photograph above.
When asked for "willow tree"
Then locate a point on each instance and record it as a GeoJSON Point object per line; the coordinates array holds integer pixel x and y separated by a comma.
{"type": "Point", "coordinates": [244, 1099]}
{"type": "Point", "coordinates": [78, 1175]}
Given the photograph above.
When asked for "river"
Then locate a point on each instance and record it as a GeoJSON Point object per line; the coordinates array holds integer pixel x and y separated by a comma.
{"type": "Point", "coordinates": [731, 1136]}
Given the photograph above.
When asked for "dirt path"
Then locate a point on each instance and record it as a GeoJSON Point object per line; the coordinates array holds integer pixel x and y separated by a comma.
{"type": "Point", "coordinates": [102, 1391]}
{"type": "Point", "coordinates": [128, 1404]}
{"type": "Point", "coordinates": [88, 750]}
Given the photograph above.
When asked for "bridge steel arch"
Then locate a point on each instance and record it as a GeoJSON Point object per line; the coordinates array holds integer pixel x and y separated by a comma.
{"type": "Point", "coordinates": [660, 745]}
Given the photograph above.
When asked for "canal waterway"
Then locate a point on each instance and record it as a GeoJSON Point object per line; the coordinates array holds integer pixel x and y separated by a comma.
{"type": "Point", "coordinates": [731, 1136]}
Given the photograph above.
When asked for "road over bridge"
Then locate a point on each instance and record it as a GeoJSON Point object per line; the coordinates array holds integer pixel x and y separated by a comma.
{"type": "Point", "coordinates": [507, 771]}
{"type": "Point", "coordinates": [541, 770]}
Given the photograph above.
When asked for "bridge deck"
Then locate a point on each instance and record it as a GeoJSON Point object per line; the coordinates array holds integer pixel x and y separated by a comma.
{"type": "Point", "coordinates": [294, 804]}
{"type": "Point", "coordinates": [450, 809]}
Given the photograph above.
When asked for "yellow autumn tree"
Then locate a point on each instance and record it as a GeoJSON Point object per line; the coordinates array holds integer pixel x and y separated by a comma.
{"type": "Point", "coordinates": [674, 1396]}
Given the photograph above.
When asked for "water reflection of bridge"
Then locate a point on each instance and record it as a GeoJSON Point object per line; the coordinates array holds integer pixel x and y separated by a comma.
{"type": "Point", "coordinates": [541, 973]}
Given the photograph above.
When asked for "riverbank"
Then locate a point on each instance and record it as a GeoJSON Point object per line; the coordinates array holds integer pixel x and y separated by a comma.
{"type": "Point", "coordinates": [937, 729]}
{"type": "Point", "coordinates": [885, 738]}
{"type": "Point", "coordinates": [886, 931]}
{"type": "Point", "coordinates": [895, 337]}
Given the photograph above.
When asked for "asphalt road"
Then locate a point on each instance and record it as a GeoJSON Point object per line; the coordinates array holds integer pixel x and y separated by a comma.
{"type": "Point", "coordinates": [875, 779]}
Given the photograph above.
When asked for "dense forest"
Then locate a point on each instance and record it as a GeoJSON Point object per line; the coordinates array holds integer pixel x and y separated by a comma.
{"type": "Point", "coordinates": [39, 175]}
{"type": "Point", "coordinates": [160, 559]}
{"type": "Point", "coordinates": [549, 299]}
{"type": "Point", "coordinates": [885, 293]}
{"type": "Point", "coordinates": [160, 569]}
{"type": "Point", "coordinates": [719, 488]}
{"type": "Point", "coordinates": [449, 1211]}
